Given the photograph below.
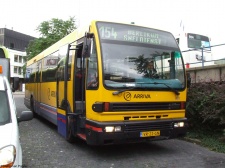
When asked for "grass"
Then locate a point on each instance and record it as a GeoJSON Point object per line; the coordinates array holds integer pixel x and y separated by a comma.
{"type": "Point", "coordinates": [213, 140]}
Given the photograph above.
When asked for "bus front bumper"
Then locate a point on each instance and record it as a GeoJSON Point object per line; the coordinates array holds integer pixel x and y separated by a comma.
{"type": "Point", "coordinates": [134, 131]}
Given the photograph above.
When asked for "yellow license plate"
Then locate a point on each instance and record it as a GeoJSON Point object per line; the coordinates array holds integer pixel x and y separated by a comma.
{"type": "Point", "coordinates": [149, 133]}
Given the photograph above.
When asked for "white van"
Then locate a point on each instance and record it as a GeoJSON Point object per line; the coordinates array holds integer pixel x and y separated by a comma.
{"type": "Point", "coordinates": [10, 147]}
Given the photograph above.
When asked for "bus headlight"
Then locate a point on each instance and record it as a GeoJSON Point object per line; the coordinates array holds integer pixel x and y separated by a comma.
{"type": "Point", "coordinates": [7, 156]}
{"type": "Point", "coordinates": [178, 124]}
{"type": "Point", "coordinates": [113, 129]}
{"type": "Point", "coordinates": [117, 129]}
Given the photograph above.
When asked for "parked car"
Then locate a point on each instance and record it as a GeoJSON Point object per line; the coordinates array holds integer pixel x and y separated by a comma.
{"type": "Point", "coordinates": [10, 147]}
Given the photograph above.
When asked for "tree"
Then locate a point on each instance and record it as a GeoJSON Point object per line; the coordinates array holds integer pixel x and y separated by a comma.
{"type": "Point", "coordinates": [51, 31]}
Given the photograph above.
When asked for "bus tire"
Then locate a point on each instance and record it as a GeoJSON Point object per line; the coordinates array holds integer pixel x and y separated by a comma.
{"type": "Point", "coordinates": [32, 107]}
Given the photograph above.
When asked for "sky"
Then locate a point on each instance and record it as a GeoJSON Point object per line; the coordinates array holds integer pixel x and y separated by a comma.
{"type": "Point", "coordinates": [206, 17]}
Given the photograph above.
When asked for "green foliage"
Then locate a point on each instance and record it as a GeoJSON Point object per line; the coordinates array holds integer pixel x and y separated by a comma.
{"type": "Point", "coordinates": [56, 28]}
{"type": "Point", "coordinates": [206, 115]}
{"type": "Point", "coordinates": [213, 140]}
{"type": "Point", "coordinates": [206, 106]}
{"type": "Point", "coordinates": [50, 31]}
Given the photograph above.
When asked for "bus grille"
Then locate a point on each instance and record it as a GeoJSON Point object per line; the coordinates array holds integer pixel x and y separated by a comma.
{"type": "Point", "coordinates": [144, 106]}
{"type": "Point", "coordinates": [148, 126]}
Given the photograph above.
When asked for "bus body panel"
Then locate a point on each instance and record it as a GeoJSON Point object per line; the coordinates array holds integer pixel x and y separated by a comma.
{"type": "Point", "coordinates": [48, 93]}
{"type": "Point", "coordinates": [132, 131]}
{"type": "Point", "coordinates": [136, 97]}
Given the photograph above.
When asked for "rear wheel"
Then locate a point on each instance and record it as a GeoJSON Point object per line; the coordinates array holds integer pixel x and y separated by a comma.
{"type": "Point", "coordinates": [32, 107]}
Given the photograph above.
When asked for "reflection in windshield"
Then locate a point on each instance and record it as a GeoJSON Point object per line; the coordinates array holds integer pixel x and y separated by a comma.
{"type": "Point", "coordinates": [125, 65]}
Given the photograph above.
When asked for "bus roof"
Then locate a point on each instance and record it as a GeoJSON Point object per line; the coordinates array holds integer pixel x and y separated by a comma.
{"type": "Point", "coordinates": [72, 37]}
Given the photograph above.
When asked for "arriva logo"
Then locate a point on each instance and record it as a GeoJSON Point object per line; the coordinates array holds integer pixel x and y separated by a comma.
{"type": "Point", "coordinates": [127, 96]}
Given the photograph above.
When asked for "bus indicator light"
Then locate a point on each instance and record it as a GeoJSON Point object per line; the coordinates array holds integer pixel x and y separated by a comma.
{"type": "Point", "coordinates": [106, 106]}
{"type": "Point", "coordinates": [182, 105]}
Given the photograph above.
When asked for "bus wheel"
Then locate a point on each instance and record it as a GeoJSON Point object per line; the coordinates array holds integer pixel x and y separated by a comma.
{"type": "Point", "coordinates": [70, 137]}
{"type": "Point", "coordinates": [32, 107]}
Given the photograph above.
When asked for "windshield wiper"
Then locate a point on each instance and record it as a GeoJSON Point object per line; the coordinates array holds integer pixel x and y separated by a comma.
{"type": "Point", "coordinates": [130, 88]}
{"type": "Point", "coordinates": [155, 83]}
{"type": "Point", "coordinates": [172, 89]}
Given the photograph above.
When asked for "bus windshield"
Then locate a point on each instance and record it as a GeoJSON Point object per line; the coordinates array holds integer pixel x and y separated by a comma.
{"type": "Point", "coordinates": [140, 57]}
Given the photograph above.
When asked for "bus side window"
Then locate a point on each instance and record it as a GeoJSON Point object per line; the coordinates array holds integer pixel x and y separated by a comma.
{"type": "Point", "coordinates": [92, 76]}
{"type": "Point", "coordinates": [172, 65]}
{"type": "Point", "coordinates": [60, 71]}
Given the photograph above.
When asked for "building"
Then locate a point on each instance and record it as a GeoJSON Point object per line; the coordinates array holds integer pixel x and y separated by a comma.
{"type": "Point", "coordinates": [16, 43]}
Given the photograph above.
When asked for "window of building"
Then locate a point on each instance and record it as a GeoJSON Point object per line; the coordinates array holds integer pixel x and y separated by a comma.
{"type": "Point", "coordinates": [15, 69]}
{"type": "Point", "coordinates": [16, 58]}
{"type": "Point", "coordinates": [11, 45]}
{"type": "Point", "coordinates": [20, 59]}
{"type": "Point", "coordinates": [20, 70]}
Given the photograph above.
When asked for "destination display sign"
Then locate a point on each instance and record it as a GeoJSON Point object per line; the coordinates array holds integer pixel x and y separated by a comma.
{"type": "Point", "coordinates": [132, 33]}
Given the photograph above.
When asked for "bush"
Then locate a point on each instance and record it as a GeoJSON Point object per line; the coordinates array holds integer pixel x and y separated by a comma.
{"type": "Point", "coordinates": [206, 106]}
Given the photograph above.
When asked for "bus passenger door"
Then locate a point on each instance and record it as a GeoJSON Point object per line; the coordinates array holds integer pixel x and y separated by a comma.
{"type": "Point", "coordinates": [61, 89]}
{"type": "Point", "coordinates": [79, 93]}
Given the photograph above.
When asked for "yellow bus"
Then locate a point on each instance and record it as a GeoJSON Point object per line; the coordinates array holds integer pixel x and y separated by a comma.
{"type": "Point", "coordinates": [93, 85]}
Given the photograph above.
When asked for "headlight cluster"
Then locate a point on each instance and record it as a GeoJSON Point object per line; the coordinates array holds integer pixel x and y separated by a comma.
{"type": "Point", "coordinates": [113, 129]}
{"type": "Point", "coordinates": [178, 124]}
{"type": "Point", "coordinates": [7, 156]}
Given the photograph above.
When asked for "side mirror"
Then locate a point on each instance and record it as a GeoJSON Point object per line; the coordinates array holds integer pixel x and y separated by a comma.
{"type": "Point", "coordinates": [15, 85]}
{"type": "Point", "coordinates": [25, 116]}
{"type": "Point", "coordinates": [87, 45]}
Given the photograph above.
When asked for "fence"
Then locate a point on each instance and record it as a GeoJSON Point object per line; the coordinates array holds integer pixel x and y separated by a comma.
{"type": "Point", "coordinates": [203, 50]}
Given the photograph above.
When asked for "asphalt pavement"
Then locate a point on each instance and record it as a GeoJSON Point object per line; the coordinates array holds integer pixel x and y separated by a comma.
{"type": "Point", "coordinates": [43, 147]}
